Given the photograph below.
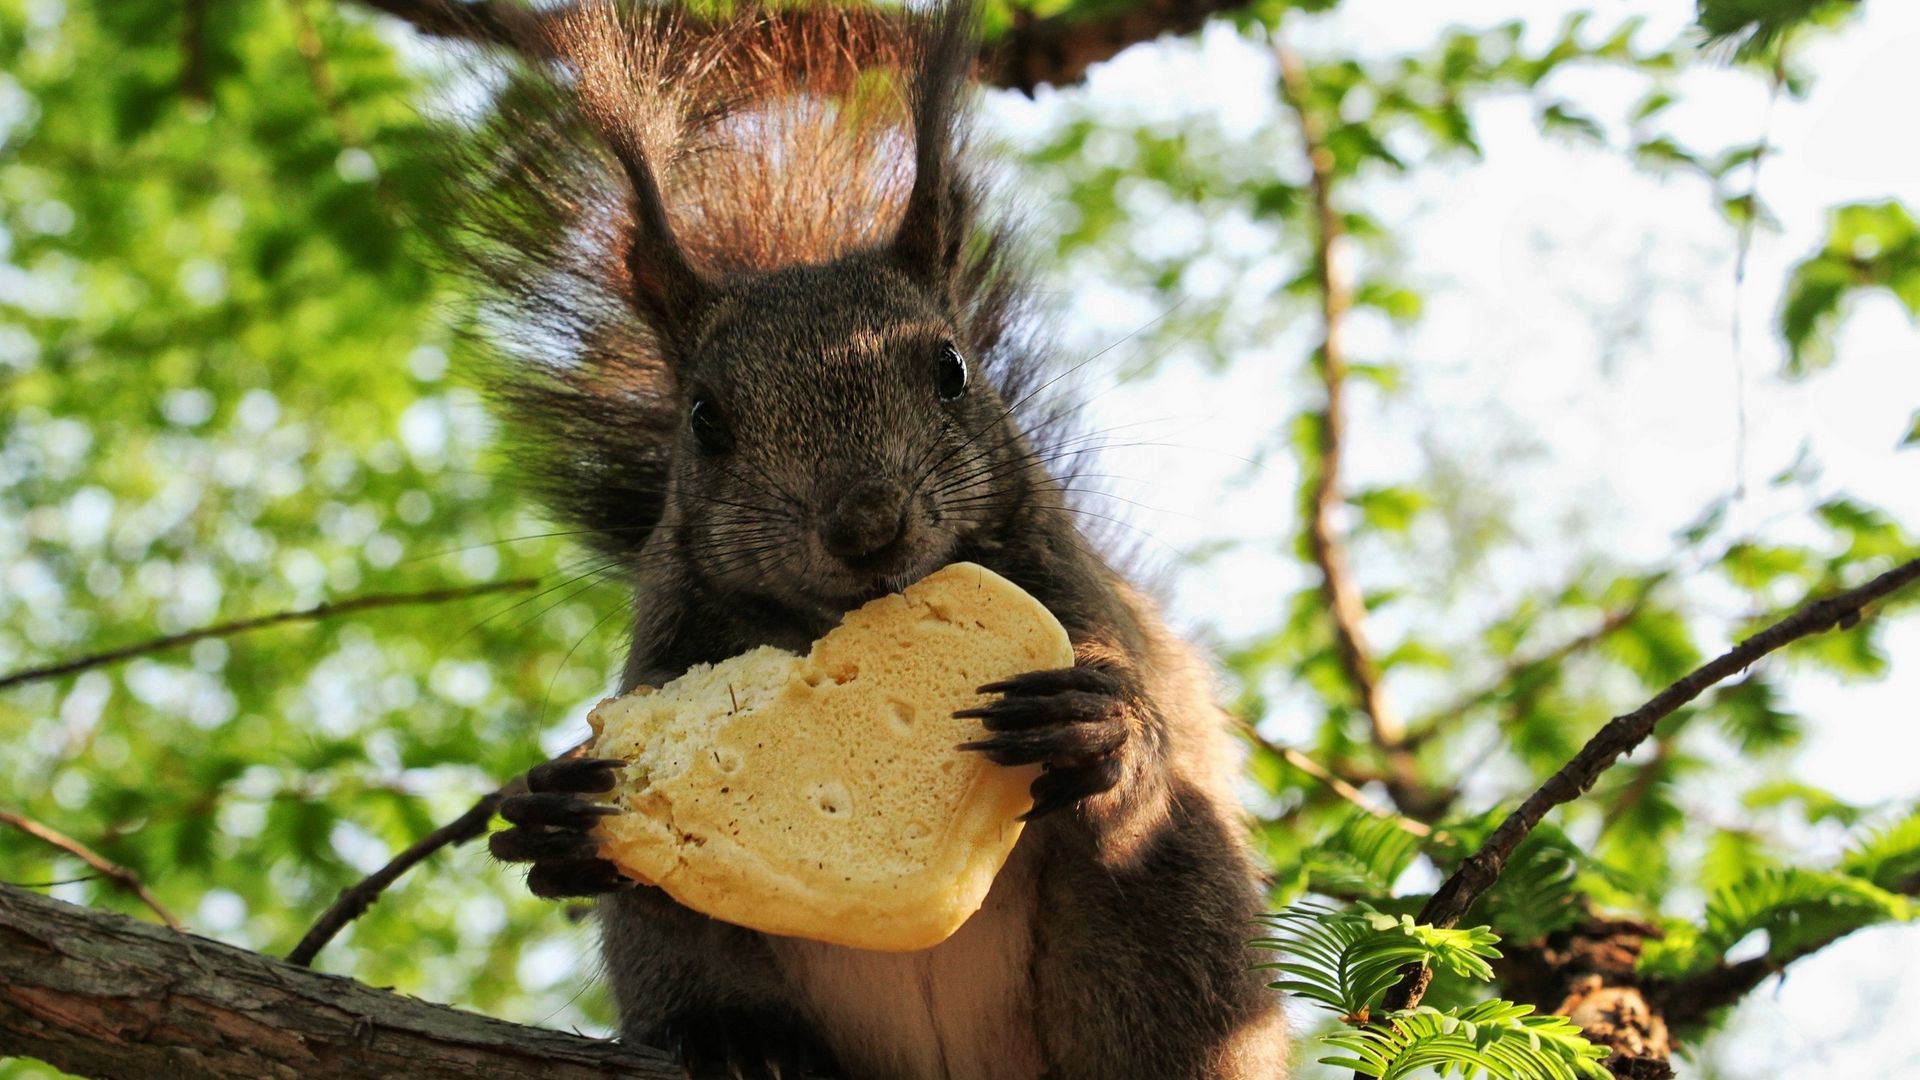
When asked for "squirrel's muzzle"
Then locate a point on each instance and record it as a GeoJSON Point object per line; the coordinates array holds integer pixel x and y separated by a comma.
{"type": "Point", "coordinates": [867, 521]}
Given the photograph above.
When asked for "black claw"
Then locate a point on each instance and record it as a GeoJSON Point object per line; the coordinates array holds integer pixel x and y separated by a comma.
{"type": "Point", "coordinates": [1069, 745]}
{"type": "Point", "coordinates": [580, 776]}
{"type": "Point", "coordinates": [1061, 788]}
{"type": "Point", "coordinates": [1056, 681]}
{"type": "Point", "coordinates": [528, 845]}
{"type": "Point", "coordinates": [576, 877]}
{"type": "Point", "coordinates": [554, 808]}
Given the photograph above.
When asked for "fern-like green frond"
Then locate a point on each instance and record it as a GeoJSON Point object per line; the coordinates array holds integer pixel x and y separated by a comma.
{"type": "Point", "coordinates": [1754, 26]}
{"type": "Point", "coordinates": [1888, 857]}
{"type": "Point", "coordinates": [1796, 909]}
{"type": "Point", "coordinates": [1344, 960]}
{"type": "Point", "coordinates": [1363, 857]}
{"type": "Point", "coordinates": [1492, 1038]}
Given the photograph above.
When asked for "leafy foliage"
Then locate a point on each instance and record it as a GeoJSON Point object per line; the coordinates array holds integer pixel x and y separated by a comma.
{"type": "Point", "coordinates": [1795, 908]}
{"type": "Point", "coordinates": [229, 385]}
{"type": "Point", "coordinates": [1869, 246]}
{"type": "Point", "coordinates": [1756, 27]}
{"type": "Point", "coordinates": [1493, 1038]}
{"type": "Point", "coordinates": [1344, 960]}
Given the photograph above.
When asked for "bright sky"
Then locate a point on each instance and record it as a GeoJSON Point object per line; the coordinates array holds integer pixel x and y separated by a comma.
{"type": "Point", "coordinates": [1577, 357]}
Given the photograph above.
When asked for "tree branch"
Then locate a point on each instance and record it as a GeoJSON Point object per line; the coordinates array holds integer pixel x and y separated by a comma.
{"type": "Point", "coordinates": [1052, 51]}
{"type": "Point", "coordinates": [109, 869]}
{"type": "Point", "coordinates": [1516, 667]}
{"type": "Point", "coordinates": [486, 22]}
{"type": "Point", "coordinates": [354, 900]}
{"type": "Point", "coordinates": [1620, 736]}
{"type": "Point", "coordinates": [1335, 784]}
{"type": "Point", "coordinates": [1346, 605]}
{"type": "Point", "coordinates": [103, 995]}
{"type": "Point", "coordinates": [1057, 51]}
{"type": "Point", "coordinates": [225, 630]}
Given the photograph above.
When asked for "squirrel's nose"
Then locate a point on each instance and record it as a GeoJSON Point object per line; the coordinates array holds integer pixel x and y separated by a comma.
{"type": "Point", "coordinates": [867, 520]}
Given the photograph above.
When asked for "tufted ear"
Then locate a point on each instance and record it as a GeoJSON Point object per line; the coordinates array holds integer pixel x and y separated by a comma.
{"type": "Point", "coordinates": [933, 230]}
{"type": "Point", "coordinates": [625, 89]}
{"type": "Point", "coordinates": [665, 288]}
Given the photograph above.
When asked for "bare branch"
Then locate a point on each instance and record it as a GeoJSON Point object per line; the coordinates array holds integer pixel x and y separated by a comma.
{"type": "Point", "coordinates": [1335, 784]}
{"type": "Point", "coordinates": [486, 22]}
{"type": "Point", "coordinates": [99, 994]}
{"type": "Point", "coordinates": [1620, 736]}
{"type": "Point", "coordinates": [226, 630]}
{"type": "Point", "coordinates": [193, 52]}
{"type": "Point", "coordinates": [1517, 667]}
{"type": "Point", "coordinates": [109, 869]}
{"type": "Point", "coordinates": [1057, 51]}
{"type": "Point", "coordinates": [1346, 605]}
{"type": "Point", "coordinates": [354, 900]}
{"type": "Point", "coordinates": [1053, 51]}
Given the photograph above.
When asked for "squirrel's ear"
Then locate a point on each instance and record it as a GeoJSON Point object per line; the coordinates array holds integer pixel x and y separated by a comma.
{"type": "Point", "coordinates": [933, 230]}
{"type": "Point", "coordinates": [665, 288]}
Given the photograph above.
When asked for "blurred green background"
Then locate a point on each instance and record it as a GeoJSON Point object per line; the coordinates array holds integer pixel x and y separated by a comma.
{"type": "Point", "coordinates": [230, 386]}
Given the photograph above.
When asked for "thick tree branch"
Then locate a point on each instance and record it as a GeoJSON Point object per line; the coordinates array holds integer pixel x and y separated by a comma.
{"type": "Point", "coordinates": [1053, 51]}
{"type": "Point", "coordinates": [225, 630]}
{"type": "Point", "coordinates": [488, 22]}
{"type": "Point", "coordinates": [103, 995]}
{"type": "Point", "coordinates": [1620, 736]}
{"type": "Point", "coordinates": [1057, 51]}
{"type": "Point", "coordinates": [109, 869]}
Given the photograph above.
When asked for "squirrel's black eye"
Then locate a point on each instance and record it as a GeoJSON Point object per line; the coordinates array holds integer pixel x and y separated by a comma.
{"type": "Point", "coordinates": [709, 427]}
{"type": "Point", "coordinates": [951, 377]}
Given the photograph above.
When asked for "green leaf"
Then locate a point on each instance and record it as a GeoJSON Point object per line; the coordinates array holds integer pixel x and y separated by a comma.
{"type": "Point", "coordinates": [1795, 908]}
{"type": "Point", "coordinates": [1491, 1038]}
{"type": "Point", "coordinates": [1344, 960]}
{"type": "Point", "coordinates": [1888, 857]}
{"type": "Point", "coordinates": [1750, 713]}
{"type": "Point", "coordinates": [1390, 509]}
{"type": "Point", "coordinates": [1869, 246]}
{"type": "Point", "coordinates": [1753, 28]}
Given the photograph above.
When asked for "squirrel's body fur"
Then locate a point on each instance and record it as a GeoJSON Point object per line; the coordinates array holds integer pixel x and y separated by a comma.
{"type": "Point", "coordinates": [753, 265]}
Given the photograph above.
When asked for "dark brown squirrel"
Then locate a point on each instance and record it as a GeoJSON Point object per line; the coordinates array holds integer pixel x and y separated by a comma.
{"type": "Point", "coordinates": [766, 351]}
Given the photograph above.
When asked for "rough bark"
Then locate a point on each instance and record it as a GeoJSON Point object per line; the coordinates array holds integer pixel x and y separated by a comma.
{"type": "Point", "coordinates": [1052, 51]}
{"type": "Point", "coordinates": [103, 995]}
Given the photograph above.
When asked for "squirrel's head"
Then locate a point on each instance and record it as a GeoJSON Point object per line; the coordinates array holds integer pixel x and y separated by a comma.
{"type": "Point", "coordinates": [838, 438]}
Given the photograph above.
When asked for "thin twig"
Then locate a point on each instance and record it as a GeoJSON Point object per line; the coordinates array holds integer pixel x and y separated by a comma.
{"type": "Point", "coordinates": [193, 52]}
{"type": "Point", "coordinates": [118, 874]}
{"type": "Point", "coordinates": [1346, 605]}
{"type": "Point", "coordinates": [225, 630]}
{"type": "Point", "coordinates": [1620, 736]}
{"type": "Point", "coordinates": [1335, 784]}
{"type": "Point", "coordinates": [1609, 624]}
{"type": "Point", "coordinates": [355, 899]}
{"type": "Point", "coordinates": [1742, 249]}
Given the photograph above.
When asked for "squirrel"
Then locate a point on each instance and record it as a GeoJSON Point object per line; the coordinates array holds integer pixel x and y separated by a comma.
{"type": "Point", "coordinates": [768, 350]}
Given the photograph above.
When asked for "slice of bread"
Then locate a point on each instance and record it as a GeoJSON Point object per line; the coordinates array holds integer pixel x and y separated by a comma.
{"type": "Point", "coordinates": [821, 796]}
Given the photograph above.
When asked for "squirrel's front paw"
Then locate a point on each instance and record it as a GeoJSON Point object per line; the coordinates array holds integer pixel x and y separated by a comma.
{"type": "Point", "coordinates": [1072, 721]}
{"type": "Point", "coordinates": [747, 1045]}
{"type": "Point", "coordinates": [552, 828]}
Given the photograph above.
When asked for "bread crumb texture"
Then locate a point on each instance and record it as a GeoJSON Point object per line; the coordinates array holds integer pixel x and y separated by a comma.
{"type": "Point", "coordinates": [821, 796]}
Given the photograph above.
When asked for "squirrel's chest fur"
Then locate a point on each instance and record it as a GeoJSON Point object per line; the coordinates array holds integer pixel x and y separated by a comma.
{"type": "Point", "coordinates": [962, 1010]}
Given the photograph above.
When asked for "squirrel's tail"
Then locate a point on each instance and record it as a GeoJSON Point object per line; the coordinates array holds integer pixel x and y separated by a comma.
{"type": "Point", "coordinates": [637, 150]}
